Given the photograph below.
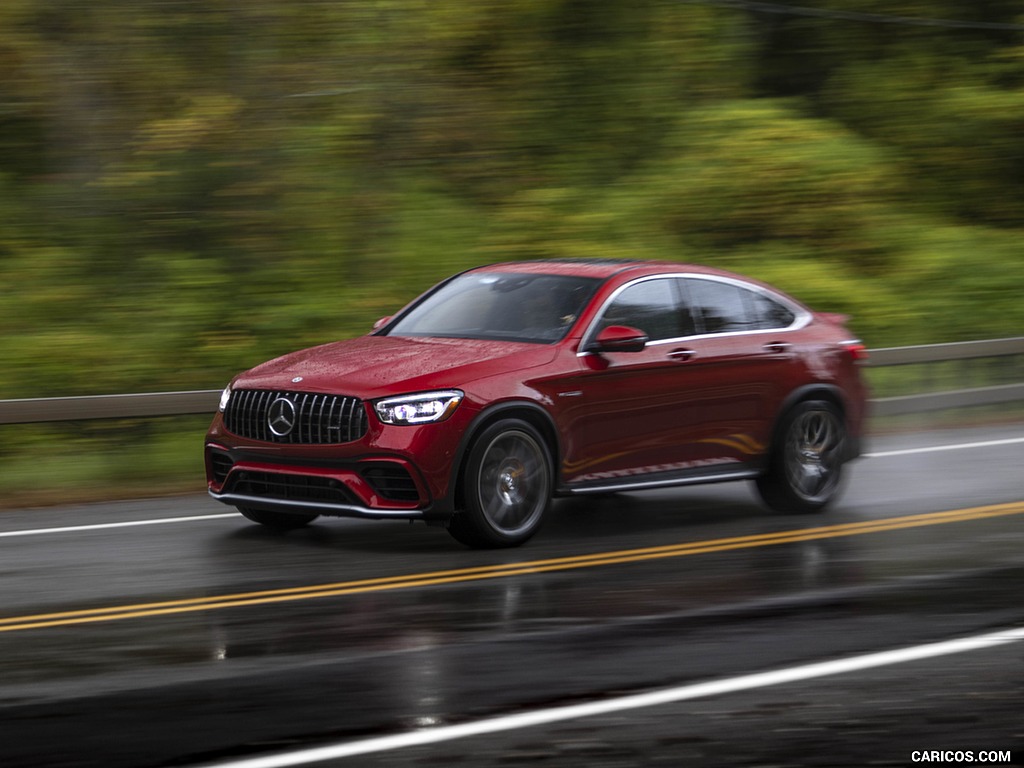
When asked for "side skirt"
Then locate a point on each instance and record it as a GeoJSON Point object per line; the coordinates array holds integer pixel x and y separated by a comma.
{"type": "Point", "coordinates": [661, 480]}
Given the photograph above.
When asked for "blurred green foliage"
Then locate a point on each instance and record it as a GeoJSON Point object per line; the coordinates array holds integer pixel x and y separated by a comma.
{"type": "Point", "coordinates": [188, 188]}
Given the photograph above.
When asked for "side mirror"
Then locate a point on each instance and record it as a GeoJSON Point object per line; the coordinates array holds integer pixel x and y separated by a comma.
{"type": "Point", "coordinates": [382, 322]}
{"type": "Point", "coordinates": [618, 338]}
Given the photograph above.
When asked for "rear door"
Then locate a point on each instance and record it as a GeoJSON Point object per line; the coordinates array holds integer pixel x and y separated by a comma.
{"type": "Point", "coordinates": [744, 363]}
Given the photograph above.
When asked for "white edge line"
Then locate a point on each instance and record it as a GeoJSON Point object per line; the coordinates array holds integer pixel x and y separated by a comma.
{"type": "Point", "coordinates": [934, 448]}
{"type": "Point", "coordinates": [127, 524]}
{"type": "Point", "coordinates": [637, 701]}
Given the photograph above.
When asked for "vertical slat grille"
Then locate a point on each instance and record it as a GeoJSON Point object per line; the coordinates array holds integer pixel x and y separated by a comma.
{"type": "Point", "coordinates": [305, 418]}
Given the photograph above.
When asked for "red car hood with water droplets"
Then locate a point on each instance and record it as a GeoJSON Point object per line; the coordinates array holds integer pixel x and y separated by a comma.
{"type": "Point", "coordinates": [379, 366]}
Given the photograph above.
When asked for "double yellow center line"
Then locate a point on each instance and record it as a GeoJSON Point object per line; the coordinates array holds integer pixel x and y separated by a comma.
{"type": "Point", "coordinates": [500, 571]}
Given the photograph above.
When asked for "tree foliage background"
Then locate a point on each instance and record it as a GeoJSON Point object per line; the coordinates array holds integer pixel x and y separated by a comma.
{"type": "Point", "coordinates": [187, 188]}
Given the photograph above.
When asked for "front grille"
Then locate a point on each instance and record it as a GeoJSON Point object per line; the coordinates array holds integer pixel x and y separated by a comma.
{"type": "Point", "coordinates": [392, 482]}
{"type": "Point", "coordinates": [285, 487]}
{"type": "Point", "coordinates": [304, 419]}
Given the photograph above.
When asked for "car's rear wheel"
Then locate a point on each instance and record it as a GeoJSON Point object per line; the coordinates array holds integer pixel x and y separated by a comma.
{"type": "Point", "coordinates": [806, 464]}
{"type": "Point", "coordinates": [280, 521]}
{"type": "Point", "coordinates": [506, 486]}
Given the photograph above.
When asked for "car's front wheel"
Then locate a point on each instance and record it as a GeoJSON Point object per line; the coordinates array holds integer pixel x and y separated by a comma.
{"type": "Point", "coordinates": [280, 521]}
{"type": "Point", "coordinates": [506, 486]}
{"type": "Point", "coordinates": [807, 458]}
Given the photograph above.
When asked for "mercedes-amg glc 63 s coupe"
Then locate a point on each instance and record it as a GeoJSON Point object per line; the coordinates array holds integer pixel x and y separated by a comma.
{"type": "Point", "coordinates": [507, 385]}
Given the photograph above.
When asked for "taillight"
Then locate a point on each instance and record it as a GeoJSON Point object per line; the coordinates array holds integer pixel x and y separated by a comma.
{"type": "Point", "coordinates": [856, 350]}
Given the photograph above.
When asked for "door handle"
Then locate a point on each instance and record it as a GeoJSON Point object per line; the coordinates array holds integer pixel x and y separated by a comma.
{"type": "Point", "coordinates": [777, 347]}
{"type": "Point", "coordinates": [681, 355]}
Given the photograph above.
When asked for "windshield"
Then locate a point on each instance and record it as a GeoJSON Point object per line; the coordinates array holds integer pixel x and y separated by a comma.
{"type": "Point", "coordinates": [490, 305]}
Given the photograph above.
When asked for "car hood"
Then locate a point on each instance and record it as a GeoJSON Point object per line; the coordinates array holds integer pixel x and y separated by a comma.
{"type": "Point", "coordinates": [378, 366]}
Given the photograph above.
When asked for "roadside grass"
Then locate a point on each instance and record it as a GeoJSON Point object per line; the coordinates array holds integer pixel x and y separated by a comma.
{"type": "Point", "coordinates": [47, 464]}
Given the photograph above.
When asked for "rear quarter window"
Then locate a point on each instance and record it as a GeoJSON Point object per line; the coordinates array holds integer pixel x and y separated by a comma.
{"type": "Point", "coordinates": [725, 307]}
{"type": "Point", "coordinates": [770, 313]}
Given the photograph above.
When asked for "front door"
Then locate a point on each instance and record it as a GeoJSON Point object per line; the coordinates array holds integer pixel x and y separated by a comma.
{"type": "Point", "coordinates": [630, 414]}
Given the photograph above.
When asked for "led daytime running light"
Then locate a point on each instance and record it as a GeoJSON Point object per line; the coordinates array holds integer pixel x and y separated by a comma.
{"type": "Point", "coordinates": [424, 408]}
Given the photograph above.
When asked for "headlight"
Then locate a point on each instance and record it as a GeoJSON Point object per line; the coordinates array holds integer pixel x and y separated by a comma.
{"type": "Point", "coordinates": [418, 409]}
{"type": "Point", "coordinates": [224, 397]}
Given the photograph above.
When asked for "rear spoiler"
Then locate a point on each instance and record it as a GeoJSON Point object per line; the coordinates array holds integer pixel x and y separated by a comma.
{"type": "Point", "coordinates": [834, 318]}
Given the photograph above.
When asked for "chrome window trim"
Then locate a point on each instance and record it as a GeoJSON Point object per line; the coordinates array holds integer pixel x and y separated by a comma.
{"type": "Point", "coordinates": [801, 316]}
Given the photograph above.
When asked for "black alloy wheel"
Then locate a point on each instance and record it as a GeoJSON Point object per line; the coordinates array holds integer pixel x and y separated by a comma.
{"type": "Point", "coordinates": [506, 486]}
{"type": "Point", "coordinates": [806, 464]}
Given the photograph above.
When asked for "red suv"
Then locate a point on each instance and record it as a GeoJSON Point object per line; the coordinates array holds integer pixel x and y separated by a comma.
{"type": "Point", "coordinates": [509, 384]}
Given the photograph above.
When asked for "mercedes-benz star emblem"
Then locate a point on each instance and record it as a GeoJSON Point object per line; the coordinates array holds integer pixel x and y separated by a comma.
{"type": "Point", "coordinates": [281, 416]}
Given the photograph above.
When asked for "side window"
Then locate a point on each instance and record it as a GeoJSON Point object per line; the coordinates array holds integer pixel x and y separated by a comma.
{"type": "Point", "coordinates": [770, 313]}
{"type": "Point", "coordinates": [720, 307]}
{"type": "Point", "coordinates": [651, 306]}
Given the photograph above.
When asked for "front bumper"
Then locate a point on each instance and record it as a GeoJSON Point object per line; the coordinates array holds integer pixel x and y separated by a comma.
{"type": "Point", "coordinates": [377, 488]}
{"type": "Point", "coordinates": [393, 472]}
{"type": "Point", "coordinates": [317, 508]}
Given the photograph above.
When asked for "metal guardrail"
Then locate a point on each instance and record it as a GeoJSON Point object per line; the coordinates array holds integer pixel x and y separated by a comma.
{"type": "Point", "coordinates": [41, 409]}
{"type": "Point", "coordinates": [49, 409]}
{"type": "Point", "coordinates": [941, 353]}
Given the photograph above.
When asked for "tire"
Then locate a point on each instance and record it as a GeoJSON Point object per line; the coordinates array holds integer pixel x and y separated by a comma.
{"type": "Point", "coordinates": [805, 467]}
{"type": "Point", "coordinates": [279, 521]}
{"type": "Point", "coordinates": [506, 486]}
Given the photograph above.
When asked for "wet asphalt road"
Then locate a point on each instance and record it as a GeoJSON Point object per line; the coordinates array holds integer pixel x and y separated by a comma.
{"type": "Point", "coordinates": [884, 717]}
{"type": "Point", "coordinates": [144, 679]}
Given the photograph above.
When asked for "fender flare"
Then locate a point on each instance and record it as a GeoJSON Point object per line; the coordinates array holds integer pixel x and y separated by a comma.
{"type": "Point", "coordinates": [817, 391]}
{"type": "Point", "coordinates": [442, 509]}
